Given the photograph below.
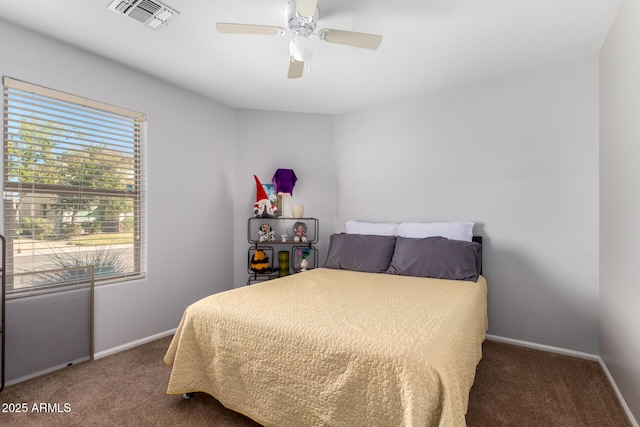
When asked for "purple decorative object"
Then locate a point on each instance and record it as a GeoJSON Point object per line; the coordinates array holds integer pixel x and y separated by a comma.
{"type": "Point", "coordinates": [284, 180]}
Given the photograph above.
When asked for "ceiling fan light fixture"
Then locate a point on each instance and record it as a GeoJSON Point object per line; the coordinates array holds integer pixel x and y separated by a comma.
{"type": "Point", "coordinates": [301, 49]}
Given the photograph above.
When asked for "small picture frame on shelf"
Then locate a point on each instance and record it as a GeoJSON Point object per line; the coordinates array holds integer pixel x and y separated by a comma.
{"type": "Point", "coordinates": [270, 189]}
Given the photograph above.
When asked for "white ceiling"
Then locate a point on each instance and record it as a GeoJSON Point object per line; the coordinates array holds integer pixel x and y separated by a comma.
{"type": "Point", "coordinates": [427, 45]}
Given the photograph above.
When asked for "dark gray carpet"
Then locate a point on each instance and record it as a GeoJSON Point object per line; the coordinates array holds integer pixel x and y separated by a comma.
{"type": "Point", "coordinates": [514, 387]}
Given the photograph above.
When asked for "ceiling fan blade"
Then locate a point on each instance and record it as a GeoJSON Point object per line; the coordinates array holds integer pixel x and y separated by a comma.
{"type": "Point", "coordinates": [306, 8]}
{"type": "Point", "coordinates": [295, 69]}
{"type": "Point", "coordinates": [228, 28]}
{"type": "Point", "coordinates": [351, 38]}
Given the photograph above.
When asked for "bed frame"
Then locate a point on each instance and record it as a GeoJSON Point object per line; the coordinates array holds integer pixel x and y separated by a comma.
{"type": "Point", "coordinates": [478, 239]}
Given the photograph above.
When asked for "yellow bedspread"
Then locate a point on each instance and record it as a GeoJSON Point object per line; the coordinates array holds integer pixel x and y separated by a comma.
{"type": "Point", "coordinates": [335, 347]}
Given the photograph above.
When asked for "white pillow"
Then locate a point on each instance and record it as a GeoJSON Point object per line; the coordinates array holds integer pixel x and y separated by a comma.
{"type": "Point", "coordinates": [461, 230]}
{"type": "Point", "coordinates": [373, 228]}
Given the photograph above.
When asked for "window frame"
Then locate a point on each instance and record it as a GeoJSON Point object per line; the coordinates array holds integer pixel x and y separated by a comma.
{"type": "Point", "coordinates": [133, 193]}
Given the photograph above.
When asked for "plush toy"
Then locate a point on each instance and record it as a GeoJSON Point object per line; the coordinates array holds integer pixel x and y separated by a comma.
{"type": "Point", "coordinates": [266, 233]}
{"type": "Point", "coordinates": [300, 232]}
{"type": "Point", "coordinates": [263, 208]}
{"type": "Point", "coordinates": [260, 262]}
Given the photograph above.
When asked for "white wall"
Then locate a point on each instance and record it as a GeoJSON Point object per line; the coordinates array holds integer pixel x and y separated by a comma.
{"type": "Point", "coordinates": [189, 171]}
{"type": "Point", "coordinates": [620, 203]}
{"type": "Point", "coordinates": [517, 155]}
{"type": "Point", "coordinates": [268, 140]}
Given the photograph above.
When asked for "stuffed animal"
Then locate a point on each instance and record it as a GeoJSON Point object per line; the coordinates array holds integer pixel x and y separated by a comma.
{"type": "Point", "coordinates": [260, 262]}
{"type": "Point", "coordinates": [300, 232]}
{"type": "Point", "coordinates": [263, 208]}
{"type": "Point", "coordinates": [266, 233]}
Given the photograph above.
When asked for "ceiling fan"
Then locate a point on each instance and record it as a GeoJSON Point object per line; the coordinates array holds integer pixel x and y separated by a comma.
{"type": "Point", "coordinates": [301, 17]}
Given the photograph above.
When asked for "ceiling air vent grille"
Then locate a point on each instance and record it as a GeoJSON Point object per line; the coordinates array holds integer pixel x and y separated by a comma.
{"type": "Point", "coordinates": [153, 14]}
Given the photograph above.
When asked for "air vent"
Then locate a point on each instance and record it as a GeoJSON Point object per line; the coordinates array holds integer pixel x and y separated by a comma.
{"type": "Point", "coordinates": [153, 14]}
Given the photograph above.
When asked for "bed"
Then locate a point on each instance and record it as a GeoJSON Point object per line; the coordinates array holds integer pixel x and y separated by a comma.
{"type": "Point", "coordinates": [359, 343]}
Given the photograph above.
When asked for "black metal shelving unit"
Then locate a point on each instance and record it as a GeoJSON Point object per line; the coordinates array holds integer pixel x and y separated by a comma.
{"type": "Point", "coordinates": [281, 226]}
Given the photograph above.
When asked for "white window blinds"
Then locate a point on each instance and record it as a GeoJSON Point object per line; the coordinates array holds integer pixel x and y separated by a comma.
{"type": "Point", "coordinates": [73, 188]}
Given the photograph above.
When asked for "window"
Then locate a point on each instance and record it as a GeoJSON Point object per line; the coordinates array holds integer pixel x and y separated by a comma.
{"type": "Point", "coordinates": [73, 189]}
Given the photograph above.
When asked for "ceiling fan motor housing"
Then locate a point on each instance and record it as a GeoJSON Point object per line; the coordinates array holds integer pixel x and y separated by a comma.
{"type": "Point", "coordinates": [299, 25]}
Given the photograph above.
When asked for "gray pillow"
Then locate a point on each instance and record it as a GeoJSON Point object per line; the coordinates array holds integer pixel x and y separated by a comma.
{"type": "Point", "coordinates": [360, 252]}
{"type": "Point", "coordinates": [437, 257]}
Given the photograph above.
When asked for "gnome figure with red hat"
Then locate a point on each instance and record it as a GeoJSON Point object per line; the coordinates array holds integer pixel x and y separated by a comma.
{"type": "Point", "coordinates": [263, 208]}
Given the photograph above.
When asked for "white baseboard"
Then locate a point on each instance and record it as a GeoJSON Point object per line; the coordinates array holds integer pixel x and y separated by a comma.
{"type": "Point", "coordinates": [543, 347]}
{"type": "Point", "coordinates": [579, 354]}
{"type": "Point", "coordinates": [127, 346]}
{"type": "Point", "coordinates": [625, 407]}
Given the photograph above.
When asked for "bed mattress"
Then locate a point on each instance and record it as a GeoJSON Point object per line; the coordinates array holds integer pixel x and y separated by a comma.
{"type": "Point", "coordinates": [335, 347]}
